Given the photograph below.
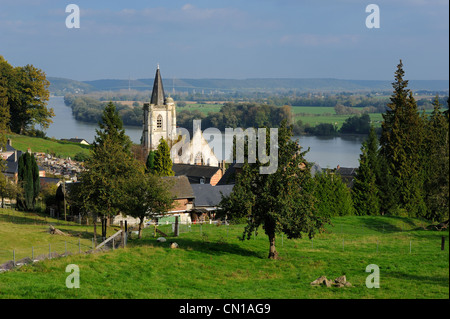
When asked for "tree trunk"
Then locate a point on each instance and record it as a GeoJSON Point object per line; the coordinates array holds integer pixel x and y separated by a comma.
{"type": "Point", "coordinates": [141, 221]}
{"type": "Point", "coordinates": [94, 220]}
{"type": "Point", "coordinates": [103, 228]}
{"type": "Point", "coordinates": [273, 254]}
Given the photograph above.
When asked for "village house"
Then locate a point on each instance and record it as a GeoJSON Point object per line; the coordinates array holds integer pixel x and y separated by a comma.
{"type": "Point", "coordinates": [76, 140]}
{"type": "Point", "coordinates": [207, 200]}
{"type": "Point", "coordinates": [199, 174]}
{"type": "Point", "coordinates": [183, 203]}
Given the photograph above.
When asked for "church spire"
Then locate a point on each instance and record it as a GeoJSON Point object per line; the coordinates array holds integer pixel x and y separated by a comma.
{"type": "Point", "coordinates": [158, 90]}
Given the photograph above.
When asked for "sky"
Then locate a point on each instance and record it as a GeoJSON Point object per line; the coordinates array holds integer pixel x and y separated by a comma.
{"type": "Point", "coordinates": [228, 38]}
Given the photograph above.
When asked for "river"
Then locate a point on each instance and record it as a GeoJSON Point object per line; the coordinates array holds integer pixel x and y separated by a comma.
{"type": "Point", "coordinates": [325, 151]}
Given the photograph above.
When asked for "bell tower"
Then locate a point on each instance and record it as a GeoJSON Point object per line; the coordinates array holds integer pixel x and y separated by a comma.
{"type": "Point", "coordinates": [159, 117]}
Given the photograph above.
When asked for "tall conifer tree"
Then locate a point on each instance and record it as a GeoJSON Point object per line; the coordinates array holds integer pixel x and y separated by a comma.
{"type": "Point", "coordinates": [28, 177]}
{"type": "Point", "coordinates": [365, 189]}
{"type": "Point", "coordinates": [163, 162]}
{"type": "Point", "coordinates": [436, 164]}
{"type": "Point", "coordinates": [401, 140]}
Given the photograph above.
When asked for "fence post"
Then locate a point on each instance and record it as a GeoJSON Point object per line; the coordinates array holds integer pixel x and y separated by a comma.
{"type": "Point", "coordinates": [121, 234]}
{"type": "Point", "coordinates": [176, 230]}
{"type": "Point", "coordinates": [442, 242]}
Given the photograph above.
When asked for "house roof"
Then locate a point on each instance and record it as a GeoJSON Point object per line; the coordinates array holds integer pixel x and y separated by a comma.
{"type": "Point", "coordinates": [230, 174]}
{"type": "Point", "coordinates": [346, 171]}
{"type": "Point", "coordinates": [195, 170]}
{"type": "Point", "coordinates": [181, 188]}
{"type": "Point", "coordinates": [74, 140]}
{"type": "Point", "coordinates": [207, 195]}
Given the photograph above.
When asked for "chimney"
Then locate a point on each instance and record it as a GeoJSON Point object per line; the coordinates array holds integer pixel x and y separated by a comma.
{"type": "Point", "coordinates": [9, 142]}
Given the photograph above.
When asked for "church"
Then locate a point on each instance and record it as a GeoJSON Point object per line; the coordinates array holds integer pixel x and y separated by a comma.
{"type": "Point", "coordinates": [160, 121]}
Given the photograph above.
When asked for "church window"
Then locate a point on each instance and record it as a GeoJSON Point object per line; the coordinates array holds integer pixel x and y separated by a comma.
{"type": "Point", "coordinates": [159, 121]}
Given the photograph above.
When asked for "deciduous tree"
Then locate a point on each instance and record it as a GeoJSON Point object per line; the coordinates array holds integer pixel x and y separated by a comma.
{"type": "Point", "coordinates": [279, 202]}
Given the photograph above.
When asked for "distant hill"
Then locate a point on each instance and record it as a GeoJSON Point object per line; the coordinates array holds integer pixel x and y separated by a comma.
{"type": "Point", "coordinates": [59, 85]}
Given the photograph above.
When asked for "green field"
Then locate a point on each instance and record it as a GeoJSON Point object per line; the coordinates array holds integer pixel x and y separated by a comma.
{"type": "Point", "coordinates": [211, 262]}
{"type": "Point", "coordinates": [204, 108]}
{"type": "Point", "coordinates": [61, 149]}
{"type": "Point", "coordinates": [314, 115]}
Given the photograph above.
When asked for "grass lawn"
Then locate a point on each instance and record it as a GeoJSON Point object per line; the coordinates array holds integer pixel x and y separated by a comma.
{"type": "Point", "coordinates": [25, 233]}
{"type": "Point", "coordinates": [59, 148]}
{"type": "Point", "coordinates": [211, 262]}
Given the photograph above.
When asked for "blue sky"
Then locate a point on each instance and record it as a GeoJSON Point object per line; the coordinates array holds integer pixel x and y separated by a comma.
{"type": "Point", "coordinates": [228, 38]}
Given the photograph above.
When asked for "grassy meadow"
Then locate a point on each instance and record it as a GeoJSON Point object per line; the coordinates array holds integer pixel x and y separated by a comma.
{"type": "Point", "coordinates": [212, 262]}
{"type": "Point", "coordinates": [61, 149]}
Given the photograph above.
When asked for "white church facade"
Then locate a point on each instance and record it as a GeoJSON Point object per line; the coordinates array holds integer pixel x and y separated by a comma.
{"type": "Point", "coordinates": [160, 121]}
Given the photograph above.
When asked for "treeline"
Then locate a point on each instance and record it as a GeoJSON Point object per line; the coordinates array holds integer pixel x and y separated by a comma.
{"type": "Point", "coordinates": [89, 109]}
{"type": "Point", "coordinates": [360, 103]}
{"type": "Point", "coordinates": [23, 99]}
{"type": "Point", "coordinates": [357, 124]}
{"type": "Point", "coordinates": [403, 170]}
{"type": "Point", "coordinates": [235, 115]}
{"type": "Point", "coordinates": [406, 171]}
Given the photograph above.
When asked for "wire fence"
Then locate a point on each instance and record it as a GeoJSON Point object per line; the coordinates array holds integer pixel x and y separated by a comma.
{"type": "Point", "coordinates": [402, 238]}
{"type": "Point", "coordinates": [372, 238]}
{"type": "Point", "coordinates": [10, 258]}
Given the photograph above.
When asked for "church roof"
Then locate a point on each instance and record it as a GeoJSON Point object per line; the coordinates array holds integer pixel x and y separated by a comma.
{"type": "Point", "coordinates": [158, 90]}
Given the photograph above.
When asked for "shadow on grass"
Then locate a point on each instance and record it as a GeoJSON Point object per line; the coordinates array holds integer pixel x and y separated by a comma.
{"type": "Point", "coordinates": [209, 247]}
{"type": "Point", "coordinates": [381, 224]}
{"type": "Point", "coordinates": [432, 280]}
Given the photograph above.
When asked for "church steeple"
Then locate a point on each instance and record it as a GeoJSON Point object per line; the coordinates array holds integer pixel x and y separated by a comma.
{"type": "Point", "coordinates": [158, 90]}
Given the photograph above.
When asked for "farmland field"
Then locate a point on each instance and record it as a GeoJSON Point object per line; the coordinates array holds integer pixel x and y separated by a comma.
{"type": "Point", "coordinates": [314, 115]}
{"type": "Point", "coordinates": [212, 262]}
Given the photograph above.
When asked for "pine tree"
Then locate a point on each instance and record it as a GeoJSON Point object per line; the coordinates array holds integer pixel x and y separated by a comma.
{"type": "Point", "coordinates": [163, 162]}
{"type": "Point", "coordinates": [28, 177]}
{"type": "Point", "coordinates": [111, 127]}
{"type": "Point", "coordinates": [365, 189]}
{"type": "Point", "coordinates": [436, 164]}
{"type": "Point", "coordinates": [401, 140]}
{"type": "Point", "coordinates": [333, 195]}
{"type": "Point", "coordinates": [108, 166]}
{"type": "Point", "coordinates": [150, 163]}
